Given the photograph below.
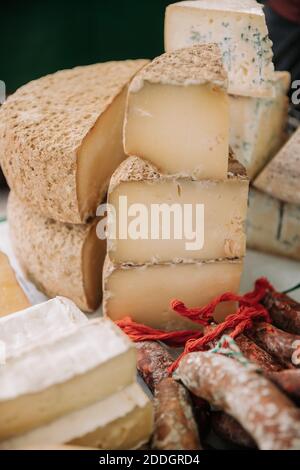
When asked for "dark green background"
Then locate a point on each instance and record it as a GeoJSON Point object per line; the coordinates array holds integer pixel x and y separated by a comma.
{"type": "Point", "coordinates": [40, 37]}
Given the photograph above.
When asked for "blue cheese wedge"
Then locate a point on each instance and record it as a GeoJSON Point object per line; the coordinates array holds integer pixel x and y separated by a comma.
{"type": "Point", "coordinates": [238, 27]}
{"type": "Point", "coordinates": [122, 421]}
{"type": "Point", "coordinates": [65, 373]}
{"type": "Point", "coordinates": [257, 125]}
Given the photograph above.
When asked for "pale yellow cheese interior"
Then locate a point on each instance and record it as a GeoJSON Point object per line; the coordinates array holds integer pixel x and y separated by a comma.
{"type": "Point", "coordinates": [12, 297]}
{"type": "Point", "coordinates": [144, 293]}
{"type": "Point", "coordinates": [225, 208]}
{"type": "Point", "coordinates": [100, 154]}
{"type": "Point", "coordinates": [180, 129]}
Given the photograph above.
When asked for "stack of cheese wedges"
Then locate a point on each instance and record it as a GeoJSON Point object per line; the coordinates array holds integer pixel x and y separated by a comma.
{"type": "Point", "coordinates": [60, 141]}
{"type": "Point", "coordinates": [69, 380]}
{"type": "Point", "coordinates": [258, 101]}
{"type": "Point", "coordinates": [177, 135]}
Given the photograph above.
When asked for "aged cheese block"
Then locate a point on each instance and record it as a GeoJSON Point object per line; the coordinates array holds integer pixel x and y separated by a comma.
{"type": "Point", "coordinates": [61, 259]}
{"type": "Point", "coordinates": [257, 125]}
{"type": "Point", "coordinates": [12, 297]}
{"type": "Point", "coordinates": [144, 292]}
{"type": "Point", "coordinates": [273, 226]}
{"type": "Point", "coordinates": [174, 202]}
{"type": "Point", "coordinates": [61, 138]}
{"type": "Point", "coordinates": [238, 27]}
{"type": "Point", "coordinates": [178, 113]}
{"type": "Point", "coordinates": [122, 421]}
{"type": "Point", "coordinates": [62, 374]}
{"type": "Point", "coordinates": [281, 177]}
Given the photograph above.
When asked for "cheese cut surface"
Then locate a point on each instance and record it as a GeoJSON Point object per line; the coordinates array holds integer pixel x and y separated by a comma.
{"type": "Point", "coordinates": [61, 259]}
{"type": "Point", "coordinates": [61, 138]}
{"type": "Point", "coordinates": [40, 323]}
{"type": "Point", "coordinates": [12, 296]}
{"type": "Point", "coordinates": [225, 209]}
{"type": "Point", "coordinates": [144, 292]}
{"type": "Point", "coordinates": [178, 113]}
{"type": "Point", "coordinates": [122, 421]}
{"type": "Point", "coordinates": [238, 27]}
{"type": "Point", "coordinates": [273, 226]}
{"type": "Point", "coordinates": [68, 373]}
{"type": "Point", "coordinates": [280, 178]}
{"type": "Point", "coordinates": [257, 125]}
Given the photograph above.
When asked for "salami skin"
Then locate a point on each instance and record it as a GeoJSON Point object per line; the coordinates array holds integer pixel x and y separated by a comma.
{"type": "Point", "coordinates": [289, 382]}
{"type": "Point", "coordinates": [174, 423]}
{"type": "Point", "coordinates": [230, 430]}
{"type": "Point", "coordinates": [264, 412]}
{"type": "Point", "coordinates": [284, 311]}
{"type": "Point", "coordinates": [175, 427]}
{"type": "Point", "coordinates": [285, 347]}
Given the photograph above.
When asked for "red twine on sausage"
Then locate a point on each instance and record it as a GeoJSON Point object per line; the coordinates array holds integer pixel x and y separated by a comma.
{"type": "Point", "coordinates": [249, 311]}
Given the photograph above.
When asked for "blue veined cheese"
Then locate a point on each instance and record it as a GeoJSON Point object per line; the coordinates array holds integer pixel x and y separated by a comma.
{"type": "Point", "coordinates": [122, 421]}
{"type": "Point", "coordinates": [273, 226]}
{"type": "Point", "coordinates": [257, 125]}
{"type": "Point", "coordinates": [238, 27]}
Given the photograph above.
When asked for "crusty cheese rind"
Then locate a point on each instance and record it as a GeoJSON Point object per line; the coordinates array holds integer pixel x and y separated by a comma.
{"type": "Point", "coordinates": [137, 169]}
{"type": "Point", "coordinates": [51, 253]}
{"type": "Point", "coordinates": [44, 124]}
{"type": "Point", "coordinates": [194, 65]}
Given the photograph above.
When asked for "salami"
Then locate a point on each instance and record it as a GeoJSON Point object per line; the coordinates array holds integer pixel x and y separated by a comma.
{"type": "Point", "coordinates": [175, 427]}
{"type": "Point", "coordinates": [284, 311]}
{"type": "Point", "coordinates": [153, 361]}
{"type": "Point", "coordinates": [289, 382]}
{"type": "Point", "coordinates": [285, 347]}
{"type": "Point", "coordinates": [227, 428]}
{"type": "Point", "coordinates": [269, 417]}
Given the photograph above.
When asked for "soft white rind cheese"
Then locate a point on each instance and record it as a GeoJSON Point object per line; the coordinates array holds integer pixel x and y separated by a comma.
{"type": "Point", "coordinates": [239, 29]}
{"type": "Point", "coordinates": [131, 405]}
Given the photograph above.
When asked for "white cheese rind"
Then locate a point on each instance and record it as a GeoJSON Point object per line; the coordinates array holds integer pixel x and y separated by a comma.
{"type": "Point", "coordinates": [80, 423]}
{"type": "Point", "coordinates": [240, 31]}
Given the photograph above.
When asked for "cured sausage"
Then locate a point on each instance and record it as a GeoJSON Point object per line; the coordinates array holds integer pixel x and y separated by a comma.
{"type": "Point", "coordinates": [284, 311]}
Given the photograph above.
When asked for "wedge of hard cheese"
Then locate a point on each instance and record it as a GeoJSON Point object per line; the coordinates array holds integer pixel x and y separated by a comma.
{"type": "Point", "coordinates": [61, 259]}
{"type": "Point", "coordinates": [257, 125]}
{"type": "Point", "coordinates": [145, 292]}
{"type": "Point", "coordinates": [280, 178]}
{"type": "Point", "coordinates": [238, 27]}
{"type": "Point", "coordinates": [62, 374]}
{"type": "Point", "coordinates": [12, 296]}
{"type": "Point", "coordinates": [122, 421]}
{"type": "Point", "coordinates": [273, 226]}
{"type": "Point", "coordinates": [175, 201]}
{"type": "Point", "coordinates": [178, 113]}
{"type": "Point", "coordinates": [61, 138]}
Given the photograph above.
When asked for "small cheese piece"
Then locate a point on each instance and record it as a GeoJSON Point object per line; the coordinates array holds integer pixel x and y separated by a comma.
{"type": "Point", "coordinates": [280, 178]}
{"type": "Point", "coordinates": [61, 138]}
{"type": "Point", "coordinates": [121, 422]}
{"type": "Point", "coordinates": [63, 374]}
{"type": "Point", "coordinates": [12, 296]}
{"type": "Point", "coordinates": [42, 322]}
{"type": "Point", "coordinates": [257, 125]}
{"type": "Point", "coordinates": [273, 226]}
{"type": "Point", "coordinates": [61, 259]}
{"type": "Point", "coordinates": [178, 113]}
{"type": "Point", "coordinates": [145, 292]}
{"type": "Point", "coordinates": [176, 202]}
{"type": "Point", "coordinates": [238, 27]}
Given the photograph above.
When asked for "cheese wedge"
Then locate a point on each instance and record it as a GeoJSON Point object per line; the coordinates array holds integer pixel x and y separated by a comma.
{"type": "Point", "coordinates": [61, 138]}
{"type": "Point", "coordinates": [238, 27]}
{"type": "Point", "coordinates": [280, 178]}
{"type": "Point", "coordinates": [145, 292]}
{"type": "Point", "coordinates": [61, 259]}
{"type": "Point", "coordinates": [12, 296]}
{"type": "Point", "coordinates": [178, 113]}
{"type": "Point", "coordinates": [137, 183]}
{"type": "Point", "coordinates": [53, 378]}
{"type": "Point", "coordinates": [122, 421]}
{"type": "Point", "coordinates": [40, 323]}
{"type": "Point", "coordinates": [273, 226]}
{"type": "Point", "coordinates": [257, 125]}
